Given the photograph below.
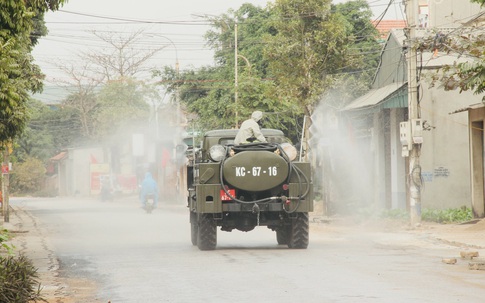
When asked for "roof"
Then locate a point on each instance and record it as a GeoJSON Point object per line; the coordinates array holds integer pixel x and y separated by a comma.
{"type": "Point", "coordinates": [384, 27]}
{"type": "Point", "coordinates": [59, 156]}
{"type": "Point", "coordinates": [464, 109]}
{"type": "Point", "coordinates": [379, 96]}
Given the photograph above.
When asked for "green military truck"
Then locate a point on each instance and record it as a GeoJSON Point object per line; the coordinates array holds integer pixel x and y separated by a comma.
{"type": "Point", "coordinates": [244, 186]}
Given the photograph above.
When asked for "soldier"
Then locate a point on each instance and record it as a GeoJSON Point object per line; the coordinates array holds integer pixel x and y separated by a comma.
{"type": "Point", "coordinates": [250, 130]}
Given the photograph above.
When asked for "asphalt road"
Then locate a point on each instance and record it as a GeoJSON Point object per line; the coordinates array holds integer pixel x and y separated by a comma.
{"type": "Point", "coordinates": [131, 256]}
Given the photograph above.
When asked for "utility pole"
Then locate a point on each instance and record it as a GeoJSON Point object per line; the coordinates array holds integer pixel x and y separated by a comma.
{"type": "Point", "coordinates": [5, 185]}
{"type": "Point", "coordinates": [235, 72]}
{"type": "Point", "coordinates": [414, 178]}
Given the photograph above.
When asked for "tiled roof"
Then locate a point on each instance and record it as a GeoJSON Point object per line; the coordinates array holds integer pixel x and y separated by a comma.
{"type": "Point", "coordinates": [385, 26]}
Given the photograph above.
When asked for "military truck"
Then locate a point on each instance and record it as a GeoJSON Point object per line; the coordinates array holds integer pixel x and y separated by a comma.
{"type": "Point", "coordinates": [245, 186]}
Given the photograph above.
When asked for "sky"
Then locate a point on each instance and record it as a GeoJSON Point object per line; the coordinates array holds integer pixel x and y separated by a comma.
{"type": "Point", "coordinates": [175, 25]}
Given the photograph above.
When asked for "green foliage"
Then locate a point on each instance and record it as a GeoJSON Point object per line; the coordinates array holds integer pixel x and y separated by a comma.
{"type": "Point", "coordinates": [37, 140]}
{"type": "Point", "coordinates": [451, 215]}
{"type": "Point", "coordinates": [4, 237]}
{"type": "Point", "coordinates": [18, 74]}
{"type": "Point", "coordinates": [481, 2]}
{"type": "Point", "coordinates": [309, 44]}
{"type": "Point", "coordinates": [468, 43]}
{"type": "Point", "coordinates": [288, 55]}
{"type": "Point", "coordinates": [19, 280]}
{"type": "Point", "coordinates": [121, 105]}
{"type": "Point", "coordinates": [28, 176]}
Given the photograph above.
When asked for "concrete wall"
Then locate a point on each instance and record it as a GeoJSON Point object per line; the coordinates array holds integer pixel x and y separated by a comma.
{"type": "Point", "coordinates": [451, 13]}
{"type": "Point", "coordinates": [445, 150]}
{"type": "Point", "coordinates": [398, 162]}
{"type": "Point", "coordinates": [78, 174]}
{"type": "Point", "coordinates": [477, 149]}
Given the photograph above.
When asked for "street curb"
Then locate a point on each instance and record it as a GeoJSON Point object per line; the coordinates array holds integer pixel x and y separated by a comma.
{"type": "Point", "coordinates": [29, 239]}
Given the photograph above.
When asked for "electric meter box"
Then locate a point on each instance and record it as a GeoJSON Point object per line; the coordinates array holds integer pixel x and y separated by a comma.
{"type": "Point", "coordinates": [417, 129]}
{"type": "Point", "coordinates": [405, 133]}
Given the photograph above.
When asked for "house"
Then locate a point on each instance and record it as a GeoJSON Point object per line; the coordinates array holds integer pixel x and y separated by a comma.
{"type": "Point", "coordinates": [121, 162]}
{"type": "Point", "coordinates": [375, 132]}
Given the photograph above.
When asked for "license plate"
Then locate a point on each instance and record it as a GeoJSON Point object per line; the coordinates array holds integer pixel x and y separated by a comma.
{"type": "Point", "coordinates": [225, 197]}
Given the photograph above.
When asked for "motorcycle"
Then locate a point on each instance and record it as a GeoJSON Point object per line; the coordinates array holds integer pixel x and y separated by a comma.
{"type": "Point", "coordinates": [149, 203]}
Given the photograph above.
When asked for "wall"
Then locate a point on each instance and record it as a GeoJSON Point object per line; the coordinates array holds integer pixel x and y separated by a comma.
{"type": "Point", "coordinates": [445, 150]}
{"type": "Point", "coordinates": [78, 174]}
{"type": "Point", "coordinates": [476, 126]}
{"type": "Point", "coordinates": [451, 13]}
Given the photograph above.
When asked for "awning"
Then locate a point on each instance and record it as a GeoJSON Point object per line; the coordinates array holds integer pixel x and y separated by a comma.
{"type": "Point", "coordinates": [464, 109]}
{"type": "Point", "coordinates": [59, 156]}
{"type": "Point", "coordinates": [390, 96]}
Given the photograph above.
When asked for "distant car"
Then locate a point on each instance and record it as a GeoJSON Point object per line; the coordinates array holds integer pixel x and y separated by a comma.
{"type": "Point", "coordinates": [244, 186]}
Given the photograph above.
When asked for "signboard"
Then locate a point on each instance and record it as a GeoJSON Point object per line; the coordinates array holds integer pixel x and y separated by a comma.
{"type": "Point", "coordinates": [98, 170]}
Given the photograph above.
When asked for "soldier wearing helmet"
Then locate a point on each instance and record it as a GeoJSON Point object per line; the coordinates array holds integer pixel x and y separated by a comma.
{"type": "Point", "coordinates": [250, 130]}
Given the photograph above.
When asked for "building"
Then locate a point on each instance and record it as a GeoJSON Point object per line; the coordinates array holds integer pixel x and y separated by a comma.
{"type": "Point", "coordinates": [372, 123]}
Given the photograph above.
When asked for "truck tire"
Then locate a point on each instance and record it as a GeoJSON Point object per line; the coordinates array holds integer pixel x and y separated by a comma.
{"type": "Point", "coordinates": [207, 232]}
{"type": "Point", "coordinates": [299, 232]}
{"type": "Point", "coordinates": [282, 235]}
{"type": "Point", "coordinates": [194, 228]}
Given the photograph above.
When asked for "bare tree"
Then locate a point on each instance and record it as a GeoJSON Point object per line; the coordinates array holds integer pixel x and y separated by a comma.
{"type": "Point", "coordinates": [83, 85]}
{"type": "Point", "coordinates": [124, 56]}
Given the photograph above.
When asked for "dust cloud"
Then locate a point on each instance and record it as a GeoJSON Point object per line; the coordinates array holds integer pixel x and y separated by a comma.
{"type": "Point", "coordinates": [343, 160]}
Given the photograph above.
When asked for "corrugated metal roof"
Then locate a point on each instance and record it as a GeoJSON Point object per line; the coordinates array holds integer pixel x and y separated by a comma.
{"type": "Point", "coordinates": [464, 109]}
{"type": "Point", "coordinates": [375, 96]}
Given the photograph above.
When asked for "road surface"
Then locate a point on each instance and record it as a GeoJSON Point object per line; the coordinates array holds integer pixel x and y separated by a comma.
{"type": "Point", "coordinates": [119, 253]}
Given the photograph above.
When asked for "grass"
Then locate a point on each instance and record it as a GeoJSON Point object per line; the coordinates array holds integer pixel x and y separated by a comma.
{"type": "Point", "coordinates": [450, 215]}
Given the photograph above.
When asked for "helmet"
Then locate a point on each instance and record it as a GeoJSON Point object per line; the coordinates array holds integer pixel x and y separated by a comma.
{"type": "Point", "coordinates": [257, 115]}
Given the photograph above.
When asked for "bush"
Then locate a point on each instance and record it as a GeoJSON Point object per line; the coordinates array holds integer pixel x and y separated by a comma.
{"type": "Point", "coordinates": [18, 280]}
{"type": "Point", "coordinates": [28, 177]}
{"type": "Point", "coordinates": [451, 215]}
{"type": "Point", "coordinates": [4, 237]}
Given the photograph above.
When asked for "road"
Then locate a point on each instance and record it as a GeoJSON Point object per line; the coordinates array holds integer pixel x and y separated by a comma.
{"type": "Point", "coordinates": [127, 255]}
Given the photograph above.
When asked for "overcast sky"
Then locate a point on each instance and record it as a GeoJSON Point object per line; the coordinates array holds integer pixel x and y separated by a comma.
{"type": "Point", "coordinates": [173, 24]}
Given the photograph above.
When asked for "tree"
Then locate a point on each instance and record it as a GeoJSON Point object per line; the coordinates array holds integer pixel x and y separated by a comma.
{"type": "Point", "coordinates": [107, 93]}
{"type": "Point", "coordinates": [309, 45]}
{"type": "Point", "coordinates": [29, 176]}
{"type": "Point", "coordinates": [18, 74]}
{"type": "Point", "coordinates": [37, 140]}
{"type": "Point", "coordinates": [209, 92]}
{"type": "Point", "coordinates": [289, 54]}
{"type": "Point", "coordinates": [365, 51]}
{"type": "Point", "coordinates": [469, 75]}
{"type": "Point", "coordinates": [123, 55]}
{"type": "Point", "coordinates": [83, 101]}
{"type": "Point", "coordinates": [122, 105]}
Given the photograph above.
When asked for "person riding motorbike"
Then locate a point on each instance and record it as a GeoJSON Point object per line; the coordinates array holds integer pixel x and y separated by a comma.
{"type": "Point", "coordinates": [149, 187]}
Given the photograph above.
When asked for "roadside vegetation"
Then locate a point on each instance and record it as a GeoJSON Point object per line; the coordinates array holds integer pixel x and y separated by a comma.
{"type": "Point", "coordinates": [450, 215]}
{"type": "Point", "coordinates": [19, 280]}
{"type": "Point", "coordinates": [445, 216]}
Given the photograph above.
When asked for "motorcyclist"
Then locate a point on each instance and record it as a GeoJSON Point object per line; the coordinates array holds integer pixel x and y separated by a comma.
{"type": "Point", "coordinates": [250, 130]}
{"type": "Point", "coordinates": [149, 186]}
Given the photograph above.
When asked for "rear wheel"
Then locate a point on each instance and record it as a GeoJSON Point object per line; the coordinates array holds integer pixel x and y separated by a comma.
{"type": "Point", "coordinates": [207, 232]}
{"type": "Point", "coordinates": [299, 232]}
